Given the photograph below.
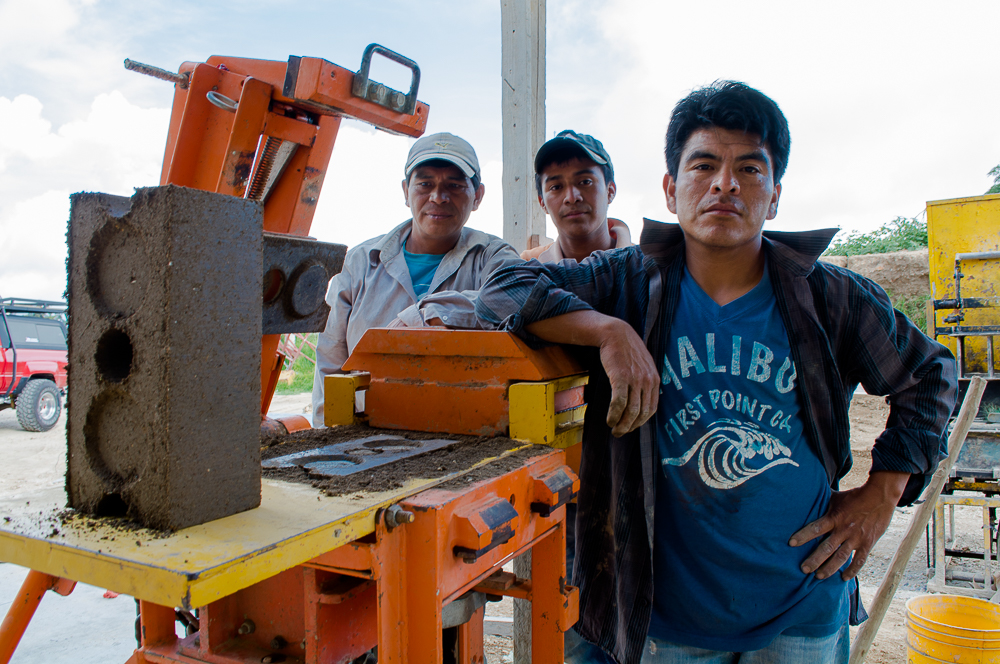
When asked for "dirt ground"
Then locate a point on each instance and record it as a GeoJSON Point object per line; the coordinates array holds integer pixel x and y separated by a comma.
{"type": "Point", "coordinates": [868, 415]}
{"type": "Point", "coordinates": [45, 456]}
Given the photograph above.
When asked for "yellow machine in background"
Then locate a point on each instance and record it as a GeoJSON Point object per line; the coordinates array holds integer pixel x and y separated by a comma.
{"type": "Point", "coordinates": [964, 313]}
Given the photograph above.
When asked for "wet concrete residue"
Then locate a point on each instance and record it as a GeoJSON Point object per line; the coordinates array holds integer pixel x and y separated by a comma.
{"type": "Point", "coordinates": [164, 356]}
{"type": "Point", "coordinates": [466, 452]}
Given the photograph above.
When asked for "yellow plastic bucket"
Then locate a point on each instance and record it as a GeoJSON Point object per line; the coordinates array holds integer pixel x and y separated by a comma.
{"type": "Point", "coordinates": [953, 629]}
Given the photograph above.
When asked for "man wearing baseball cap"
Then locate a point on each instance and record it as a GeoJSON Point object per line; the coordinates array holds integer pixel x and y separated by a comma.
{"type": "Point", "coordinates": [429, 253]}
{"type": "Point", "coordinates": [575, 181]}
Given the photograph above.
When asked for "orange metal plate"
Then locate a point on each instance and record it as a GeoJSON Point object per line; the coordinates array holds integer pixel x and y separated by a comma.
{"type": "Point", "coordinates": [455, 381]}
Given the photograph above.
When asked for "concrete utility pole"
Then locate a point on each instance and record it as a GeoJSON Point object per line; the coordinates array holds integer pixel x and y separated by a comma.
{"type": "Point", "coordinates": [522, 23]}
{"type": "Point", "coordinates": [523, 71]}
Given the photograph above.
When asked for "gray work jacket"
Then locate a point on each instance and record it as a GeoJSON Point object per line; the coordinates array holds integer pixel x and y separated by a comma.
{"type": "Point", "coordinates": [375, 286]}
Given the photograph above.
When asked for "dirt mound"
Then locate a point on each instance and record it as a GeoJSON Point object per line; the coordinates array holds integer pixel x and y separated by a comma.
{"type": "Point", "coordinates": [839, 261]}
{"type": "Point", "coordinates": [901, 273]}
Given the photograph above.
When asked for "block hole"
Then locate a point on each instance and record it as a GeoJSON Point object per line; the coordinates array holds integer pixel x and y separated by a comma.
{"type": "Point", "coordinates": [118, 269]}
{"type": "Point", "coordinates": [112, 504]}
{"type": "Point", "coordinates": [114, 356]}
{"type": "Point", "coordinates": [118, 451]}
{"type": "Point", "coordinates": [274, 282]}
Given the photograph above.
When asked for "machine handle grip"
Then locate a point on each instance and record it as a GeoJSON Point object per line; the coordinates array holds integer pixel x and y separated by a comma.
{"type": "Point", "coordinates": [381, 94]}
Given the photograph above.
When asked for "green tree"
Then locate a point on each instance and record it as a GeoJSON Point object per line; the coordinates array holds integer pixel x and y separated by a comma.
{"type": "Point", "coordinates": [995, 174]}
{"type": "Point", "coordinates": [900, 234]}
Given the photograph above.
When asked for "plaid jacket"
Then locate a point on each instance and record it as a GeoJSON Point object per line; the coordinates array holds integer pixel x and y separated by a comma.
{"type": "Point", "coordinates": [842, 331]}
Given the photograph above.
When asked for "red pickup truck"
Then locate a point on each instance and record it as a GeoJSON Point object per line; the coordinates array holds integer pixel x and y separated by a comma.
{"type": "Point", "coordinates": [33, 360]}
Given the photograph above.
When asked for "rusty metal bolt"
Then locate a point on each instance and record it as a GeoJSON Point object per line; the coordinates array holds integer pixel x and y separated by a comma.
{"type": "Point", "coordinates": [247, 627]}
{"type": "Point", "coordinates": [279, 643]}
{"type": "Point", "coordinates": [397, 516]}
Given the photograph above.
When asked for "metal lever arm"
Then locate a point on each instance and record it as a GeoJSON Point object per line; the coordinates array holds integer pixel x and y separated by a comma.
{"type": "Point", "coordinates": [149, 70]}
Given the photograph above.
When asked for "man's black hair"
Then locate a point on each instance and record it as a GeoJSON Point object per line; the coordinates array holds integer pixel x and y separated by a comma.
{"type": "Point", "coordinates": [729, 105]}
{"type": "Point", "coordinates": [566, 154]}
{"type": "Point", "coordinates": [443, 163]}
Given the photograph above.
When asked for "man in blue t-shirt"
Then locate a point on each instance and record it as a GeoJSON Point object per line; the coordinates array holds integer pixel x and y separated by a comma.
{"type": "Point", "coordinates": [714, 532]}
{"type": "Point", "coordinates": [729, 439]}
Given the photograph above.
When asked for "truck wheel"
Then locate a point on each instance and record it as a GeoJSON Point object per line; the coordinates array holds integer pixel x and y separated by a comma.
{"type": "Point", "coordinates": [38, 405]}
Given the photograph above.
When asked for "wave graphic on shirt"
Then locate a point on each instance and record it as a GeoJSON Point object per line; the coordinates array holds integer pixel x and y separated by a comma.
{"type": "Point", "coordinates": [725, 451]}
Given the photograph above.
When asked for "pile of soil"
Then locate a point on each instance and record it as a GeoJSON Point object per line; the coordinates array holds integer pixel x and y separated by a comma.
{"type": "Point", "coordinates": [466, 452]}
{"type": "Point", "coordinates": [113, 527]}
{"type": "Point", "coordinates": [902, 273]}
{"type": "Point", "coordinates": [496, 468]}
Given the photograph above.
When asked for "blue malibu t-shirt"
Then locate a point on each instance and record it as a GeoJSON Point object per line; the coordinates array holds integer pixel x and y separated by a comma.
{"type": "Point", "coordinates": [738, 478]}
{"type": "Point", "coordinates": [422, 268]}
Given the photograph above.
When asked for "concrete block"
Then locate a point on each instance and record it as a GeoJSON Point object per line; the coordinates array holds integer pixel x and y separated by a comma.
{"type": "Point", "coordinates": [164, 355]}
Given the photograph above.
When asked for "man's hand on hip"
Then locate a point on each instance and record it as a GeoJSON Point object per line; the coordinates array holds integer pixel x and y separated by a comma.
{"type": "Point", "coordinates": [635, 384]}
{"type": "Point", "coordinates": [856, 519]}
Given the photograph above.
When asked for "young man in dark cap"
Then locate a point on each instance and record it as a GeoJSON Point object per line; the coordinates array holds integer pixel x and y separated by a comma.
{"type": "Point", "coordinates": [575, 181]}
{"type": "Point", "coordinates": [431, 252]}
{"type": "Point", "coordinates": [715, 531]}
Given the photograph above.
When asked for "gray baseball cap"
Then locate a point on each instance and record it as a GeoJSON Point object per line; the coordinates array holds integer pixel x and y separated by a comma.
{"type": "Point", "coordinates": [446, 147]}
{"type": "Point", "coordinates": [583, 143]}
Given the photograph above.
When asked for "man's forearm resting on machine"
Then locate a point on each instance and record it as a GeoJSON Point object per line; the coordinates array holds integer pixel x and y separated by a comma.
{"type": "Point", "coordinates": [630, 368]}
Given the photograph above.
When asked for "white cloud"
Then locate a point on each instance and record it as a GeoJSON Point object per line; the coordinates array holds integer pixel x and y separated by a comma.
{"type": "Point", "coordinates": [889, 103]}
{"type": "Point", "coordinates": [115, 148]}
{"type": "Point", "coordinates": [49, 20]}
{"type": "Point", "coordinates": [489, 217]}
{"type": "Point", "coordinates": [32, 135]}
{"type": "Point", "coordinates": [119, 147]}
{"type": "Point", "coordinates": [362, 194]}
{"type": "Point", "coordinates": [33, 238]}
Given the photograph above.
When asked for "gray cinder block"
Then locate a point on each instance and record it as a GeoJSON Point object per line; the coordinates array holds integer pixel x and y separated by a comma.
{"type": "Point", "coordinates": [164, 355]}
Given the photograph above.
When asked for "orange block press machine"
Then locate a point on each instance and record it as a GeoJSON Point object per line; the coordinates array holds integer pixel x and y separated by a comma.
{"type": "Point", "coordinates": [308, 577]}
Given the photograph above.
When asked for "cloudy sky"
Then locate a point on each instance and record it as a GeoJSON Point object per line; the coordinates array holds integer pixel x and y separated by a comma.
{"type": "Point", "coordinates": [890, 104]}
